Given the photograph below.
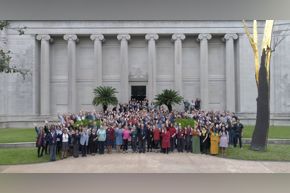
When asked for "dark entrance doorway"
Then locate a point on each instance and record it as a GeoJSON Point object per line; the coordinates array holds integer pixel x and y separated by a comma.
{"type": "Point", "coordinates": [138, 92]}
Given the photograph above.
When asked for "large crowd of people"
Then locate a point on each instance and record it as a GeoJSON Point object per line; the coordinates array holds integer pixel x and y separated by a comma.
{"type": "Point", "coordinates": [139, 127]}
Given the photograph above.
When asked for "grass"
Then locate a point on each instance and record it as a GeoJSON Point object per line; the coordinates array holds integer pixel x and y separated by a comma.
{"type": "Point", "coordinates": [11, 135]}
{"type": "Point", "coordinates": [273, 153]}
{"type": "Point", "coordinates": [275, 132]}
{"type": "Point", "coordinates": [10, 156]}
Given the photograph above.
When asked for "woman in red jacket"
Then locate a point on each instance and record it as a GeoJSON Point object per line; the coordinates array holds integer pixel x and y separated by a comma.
{"type": "Point", "coordinates": [165, 140]}
{"type": "Point", "coordinates": [156, 137]}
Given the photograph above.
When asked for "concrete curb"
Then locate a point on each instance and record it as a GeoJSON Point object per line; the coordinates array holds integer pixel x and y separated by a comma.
{"type": "Point", "coordinates": [32, 144]}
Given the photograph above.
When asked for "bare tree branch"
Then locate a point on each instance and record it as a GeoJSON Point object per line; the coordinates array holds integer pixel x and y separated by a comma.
{"type": "Point", "coordinates": [279, 36]}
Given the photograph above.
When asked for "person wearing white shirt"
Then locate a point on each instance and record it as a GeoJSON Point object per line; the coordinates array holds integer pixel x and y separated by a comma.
{"type": "Point", "coordinates": [65, 138]}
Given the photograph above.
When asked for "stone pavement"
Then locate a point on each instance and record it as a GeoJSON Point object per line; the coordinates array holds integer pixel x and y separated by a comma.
{"type": "Point", "coordinates": [150, 163]}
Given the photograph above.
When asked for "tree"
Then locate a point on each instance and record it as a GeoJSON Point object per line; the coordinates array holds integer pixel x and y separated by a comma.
{"type": "Point", "coordinates": [5, 57]}
{"type": "Point", "coordinates": [262, 76]}
{"type": "Point", "coordinates": [168, 97]}
{"type": "Point", "coordinates": [5, 67]}
{"type": "Point", "coordinates": [105, 96]}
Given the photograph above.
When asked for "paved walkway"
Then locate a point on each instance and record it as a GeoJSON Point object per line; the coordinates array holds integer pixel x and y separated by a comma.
{"type": "Point", "coordinates": [150, 163]}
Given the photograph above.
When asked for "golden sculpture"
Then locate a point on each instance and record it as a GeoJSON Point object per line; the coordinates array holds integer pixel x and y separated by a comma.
{"type": "Point", "coordinates": [266, 44]}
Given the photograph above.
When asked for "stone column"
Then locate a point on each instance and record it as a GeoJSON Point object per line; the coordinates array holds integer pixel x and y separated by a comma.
{"type": "Point", "coordinates": [230, 72]}
{"type": "Point", "coordinates": [203, 38]}
{"type": "Point", "coordinates": [178, 79]}
{"type": "Point", "coordinates": [151, 65]}
{"type": "Point", "coordinates": [71, 59]}
{"type": "Point", "coordinates": [44, 75]}
{"type": "Point", "coordinates": [124, 67]}
{"type": "Point", "coordinates": [98, 39]}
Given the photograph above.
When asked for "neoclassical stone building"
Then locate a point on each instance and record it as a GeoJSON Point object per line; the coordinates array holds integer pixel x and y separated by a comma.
{"type": "Point", "coordinates": [211, 60]}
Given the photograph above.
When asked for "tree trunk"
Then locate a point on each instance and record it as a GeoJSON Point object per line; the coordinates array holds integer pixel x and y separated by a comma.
{"type": "Point", "coordinates": [105, 107]}
{"type": "Point", "coordinates": [260, 135]}
{"type": "Point", "coordinates": [169, 107]}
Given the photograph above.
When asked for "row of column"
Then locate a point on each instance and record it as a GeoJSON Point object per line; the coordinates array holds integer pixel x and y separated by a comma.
{"type": "Point", "coordinates": [124, 38]}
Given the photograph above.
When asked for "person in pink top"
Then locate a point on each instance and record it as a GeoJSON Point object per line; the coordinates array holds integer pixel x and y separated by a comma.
{"type": "Point", "coordinates": [126, 136]}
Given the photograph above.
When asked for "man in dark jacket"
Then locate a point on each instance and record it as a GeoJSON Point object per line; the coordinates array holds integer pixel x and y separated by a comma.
{"type": "Point", "coordinates": [238, 130]}
{"type": "Point", "coordinates": [149, 138]}
{"type": "Point", "coordinates": [52, 141]}
{"type": "Point", "coordinates": [142, 134]}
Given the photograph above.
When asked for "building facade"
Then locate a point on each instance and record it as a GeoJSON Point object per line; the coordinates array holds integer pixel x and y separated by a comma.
{"type": "Point", "coordinates": [211, 60]}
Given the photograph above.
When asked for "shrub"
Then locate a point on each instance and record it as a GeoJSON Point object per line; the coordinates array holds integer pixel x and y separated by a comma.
{"type": "Point", "coordinates": [186, 122]}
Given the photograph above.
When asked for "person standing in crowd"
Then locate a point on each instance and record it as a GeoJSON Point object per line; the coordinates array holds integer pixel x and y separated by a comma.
{"type": "Point", "coordinates": [52, 138]}
{"type": "Point", "coordinates": [40, 140]}
{"type": "Point", "coordinates": [224, 140]}
{"type": "Point", "coordinates": [90, 140]}
{"type": "Point", "coordinates": [93, 140]}
{"type": "Point", "coordinates": [126, 136]}
{"type": "Point", "coordinates": [110, 138]}
{"type": "Point", "coordinates": [142, 134]}
{"type": "Point", "coordinates": [134, 139]}
{"type": "Point", "coordinates": [204, 140]}
{"type": "Point", "coordinates": [238, 130]}
{"type": "Point", "coordinates": [119, 138]}
{"type": "Point", "coordinates": [64, 140]}
{"type": "Point", "coordinates": [197, 104]}
{"type": "Point", "coordinates": [214, 141]}
{"type": "Point", "coordinates": [70, 141]}
{"type": "Point", "coordinates": [58, 140]}
{"type": "Point", "coordinates": [180, 139]}
{"type": "Point", "coordinates": [161, 136]}
{"type": "Point", "coordinates": [188, 143]}
{"type": "Point", "coordinates": [195, 140]}
{"type": "Point", "coordinates": [76, 143]}
{"type": "Point", "coordinates": [101, 133]}
{"type": "Point", "coordinates": [165, 140]}
{"type": "Point", "coordinates": [156, 137]}
{"type": "Point", "coordinates": [172, 131]}
{"type": "Point", "coordinates": [150, 138]}
{"type": "Point", "coordinates": [46, 138]}
{"type": "Point", "coordinates": [230, 130]}
{"type": "Point", "coordinates": [84, 141]}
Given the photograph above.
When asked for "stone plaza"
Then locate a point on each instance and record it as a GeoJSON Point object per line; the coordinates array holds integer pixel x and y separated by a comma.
{"type": "Point", "coordinates": [211, 60]}
{"type": "Point", "coordinates": [150, 163]}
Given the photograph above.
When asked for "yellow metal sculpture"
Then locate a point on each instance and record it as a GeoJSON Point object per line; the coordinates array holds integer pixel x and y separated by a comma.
{"type": "Point", "coordinates": [266, 45]}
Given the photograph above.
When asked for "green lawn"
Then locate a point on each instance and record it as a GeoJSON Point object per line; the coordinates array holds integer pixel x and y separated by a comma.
{"type": "Point", "coordinates": [12, 135]}
{"type": "Point", "coordinates": [273, 153]}
{"type": "Point", "coordinates": [276, 132]}
{"type": "Point", "coordinates": [11, 156]}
